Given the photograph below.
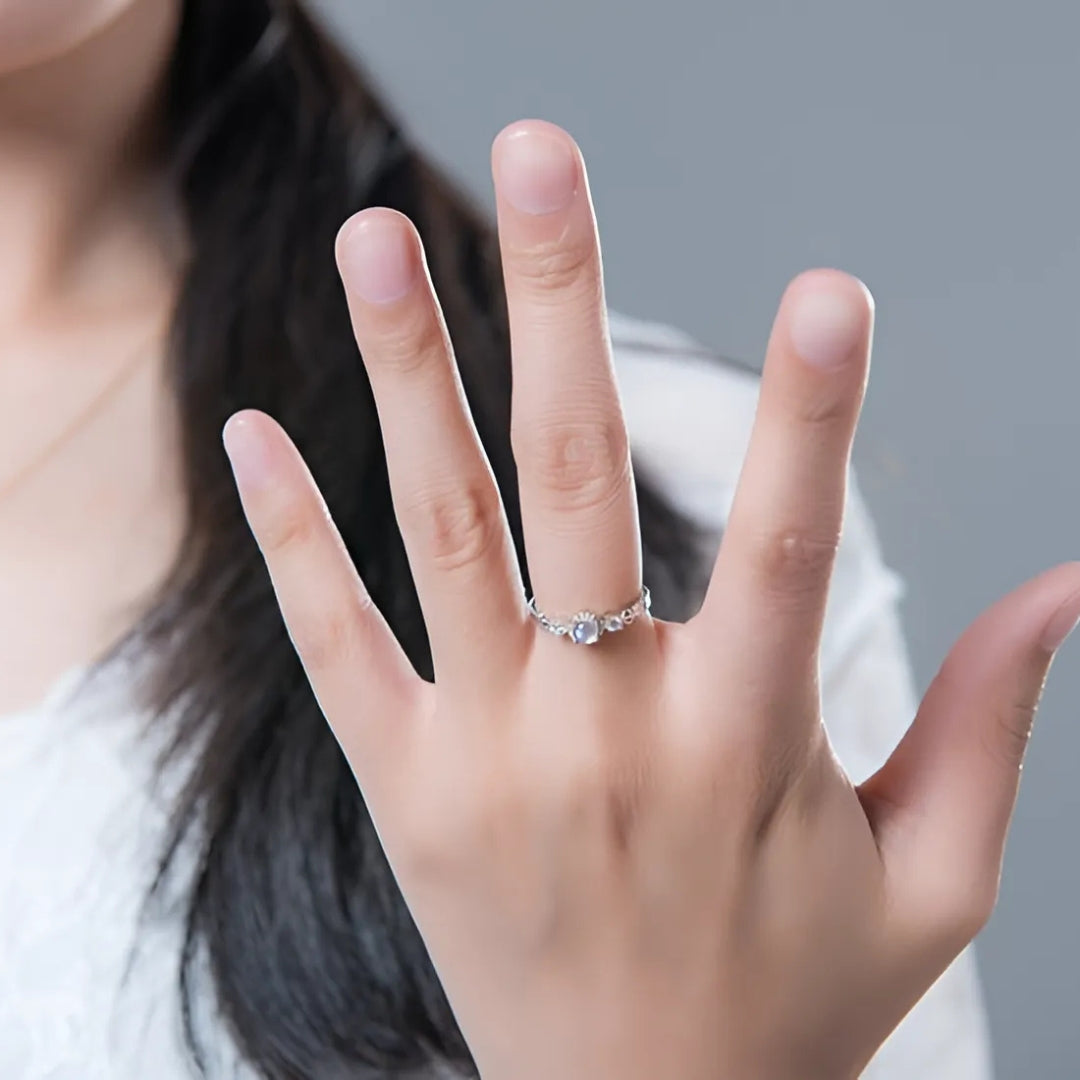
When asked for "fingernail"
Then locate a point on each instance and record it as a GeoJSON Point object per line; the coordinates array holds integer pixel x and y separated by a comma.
{"type": "Point", "coordinates": [248, 451]}
{"type": "Point", "coordinates": [378, 257]}
{"type": "Point", "coordinates": [826, 325]}
{"type": "Point", "coordinates": [537, 170]}
{"type": "Point", "coordinates": [1062, 624]}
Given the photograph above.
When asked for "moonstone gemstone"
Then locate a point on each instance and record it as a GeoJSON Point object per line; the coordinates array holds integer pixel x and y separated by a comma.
{"type": "Point", "coordinates": [613, 622]}
{"type": "Point", "coordinates": [586, 630]}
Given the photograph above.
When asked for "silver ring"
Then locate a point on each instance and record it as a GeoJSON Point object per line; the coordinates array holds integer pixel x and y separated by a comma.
{"type": "Point", "coordinates": [586, 627]}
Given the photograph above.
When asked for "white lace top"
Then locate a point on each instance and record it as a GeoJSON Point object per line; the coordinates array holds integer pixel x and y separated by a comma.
{"type": "Point", "coordinates": [79, 826]}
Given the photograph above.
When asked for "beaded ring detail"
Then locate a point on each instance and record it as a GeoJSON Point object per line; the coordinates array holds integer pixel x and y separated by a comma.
{"type": "Point", "coordinates": [587, 627]}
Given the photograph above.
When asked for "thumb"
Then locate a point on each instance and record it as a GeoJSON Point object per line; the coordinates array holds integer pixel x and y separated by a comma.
{"type": "Point", "coordinates": [940, 806]}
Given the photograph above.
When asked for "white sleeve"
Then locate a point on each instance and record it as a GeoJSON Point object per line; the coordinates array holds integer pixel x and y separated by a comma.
{"type": "Point", "coordinates": [691, 421]}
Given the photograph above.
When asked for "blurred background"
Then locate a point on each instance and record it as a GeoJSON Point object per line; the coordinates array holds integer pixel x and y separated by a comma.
{"type": "Point", "coordinates": [929, 148]}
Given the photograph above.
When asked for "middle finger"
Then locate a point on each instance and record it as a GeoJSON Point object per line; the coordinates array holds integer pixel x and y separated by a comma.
{"type": "Point", "coordinates": [578, 504]}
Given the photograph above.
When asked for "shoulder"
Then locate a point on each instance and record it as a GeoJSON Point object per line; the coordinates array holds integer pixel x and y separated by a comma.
{"type": "Point", "coordinates": [689, 413]}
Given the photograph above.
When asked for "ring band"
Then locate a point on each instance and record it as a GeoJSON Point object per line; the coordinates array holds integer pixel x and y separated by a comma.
{"type": "Point", "coordinates": [586, 627]}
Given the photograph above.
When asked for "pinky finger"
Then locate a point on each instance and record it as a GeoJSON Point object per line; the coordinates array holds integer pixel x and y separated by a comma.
{"type": "Point", "coordinates": [363, 681]}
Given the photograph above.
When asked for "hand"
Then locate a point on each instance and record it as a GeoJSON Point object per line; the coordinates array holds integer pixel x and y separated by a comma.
{"type": "Point", "coordinates": [638, 858]}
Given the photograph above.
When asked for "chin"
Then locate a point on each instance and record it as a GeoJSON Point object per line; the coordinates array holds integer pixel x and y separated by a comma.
{"type": "Point", "coordinates": [35, 32]}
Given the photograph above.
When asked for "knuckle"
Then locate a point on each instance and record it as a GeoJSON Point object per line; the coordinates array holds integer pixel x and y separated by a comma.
{"type": "Point", "coordinates": [407, 345]}
{"type": "Point", "coordinates": [1003, 728]}
{"type": "Point", "coordinates": [456, 529]}
{"type": "Point", "coordinates": [558, 266]}
{"type": "Point", "coordinates": [1006, 738]}
{"type": "Point", "coordinates": [584, 464]}
{"type": "Point", "coordinates": [825, 408]}
{"type": "Point", "coordinates": [289, 527]}
{"type": "Point", "coordinates": [328, 640]}
{"type": "Point", "coordinates": [795, 561]}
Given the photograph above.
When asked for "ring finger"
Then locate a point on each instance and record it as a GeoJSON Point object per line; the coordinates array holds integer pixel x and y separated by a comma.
{"type": "Point", "coordinates": [578, 504]}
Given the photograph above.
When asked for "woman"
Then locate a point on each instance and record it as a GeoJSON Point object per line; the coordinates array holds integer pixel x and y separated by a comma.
{"type": "Point", "coordinates": [182, 727]}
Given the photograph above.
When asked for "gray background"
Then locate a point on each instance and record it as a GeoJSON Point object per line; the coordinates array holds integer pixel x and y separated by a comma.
{"type": "Point", "coordinates": [930, 148]}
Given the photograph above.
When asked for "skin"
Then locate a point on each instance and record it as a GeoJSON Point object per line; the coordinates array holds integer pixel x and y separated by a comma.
{"type": "Point", "coordinates": [634, 859]}
{"type": "Point", "coordinates": [88, 271]}
{"type": "Point", "coordinates": [639, 858]}
{"type": "Point", "coordinates": [35, 33]}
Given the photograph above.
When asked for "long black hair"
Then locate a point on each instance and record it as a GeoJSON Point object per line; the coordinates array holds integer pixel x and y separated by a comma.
{"type": "Point", "coordinates": [289, 909]}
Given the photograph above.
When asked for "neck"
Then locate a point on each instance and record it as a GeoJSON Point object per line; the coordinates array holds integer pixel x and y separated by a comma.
{"type": "Point", "coordinates": [76, 147]}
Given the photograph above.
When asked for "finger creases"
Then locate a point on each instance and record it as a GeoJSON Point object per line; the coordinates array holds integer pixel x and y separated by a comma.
{"type": "Point", "coordinates": [578, 503]}
{"type": "Point", "coordinates": [776, 558]}
{"type": "Point", "coordinates": [942, 803]}
{"type": "Point", "coordinates": [444, 493]}
{"type": "Point", "coordinates": [357, 669]}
